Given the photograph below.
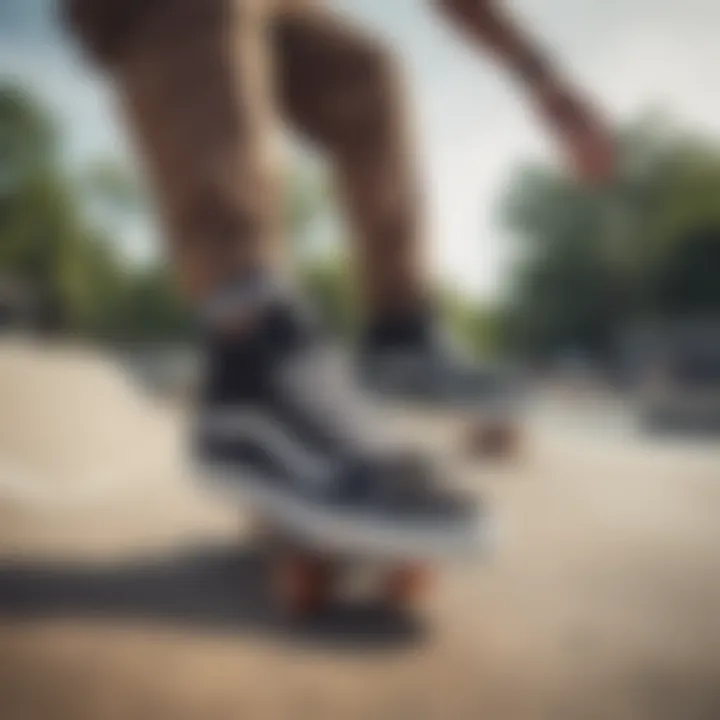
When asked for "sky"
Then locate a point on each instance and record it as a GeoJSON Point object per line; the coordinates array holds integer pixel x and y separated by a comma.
{"type": "Point", "coordinates": [473, 124]}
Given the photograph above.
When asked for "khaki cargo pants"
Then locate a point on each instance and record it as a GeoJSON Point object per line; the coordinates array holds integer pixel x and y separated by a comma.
{"type": "Point", "coordinates": [207, 84]}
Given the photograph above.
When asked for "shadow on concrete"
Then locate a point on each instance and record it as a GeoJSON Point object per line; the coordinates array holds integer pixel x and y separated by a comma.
{"type": "Point", "coordinates": [218, 589]}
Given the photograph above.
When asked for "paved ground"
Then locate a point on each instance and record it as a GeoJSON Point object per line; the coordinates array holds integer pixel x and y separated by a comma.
{"type": "Point", "coordinates": [136, 599]}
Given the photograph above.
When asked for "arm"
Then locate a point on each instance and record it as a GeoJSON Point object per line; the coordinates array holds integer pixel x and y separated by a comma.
{"type": "Point", "coordinates": [579, 127]}
{"type": "Point", "coordinates": [495, 31]}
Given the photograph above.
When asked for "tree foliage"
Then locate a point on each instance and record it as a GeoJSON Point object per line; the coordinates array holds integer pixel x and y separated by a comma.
{"type": "Point", "coordinates": [49, 242]}
{"type": "Point", "coordinates": [594, 261]}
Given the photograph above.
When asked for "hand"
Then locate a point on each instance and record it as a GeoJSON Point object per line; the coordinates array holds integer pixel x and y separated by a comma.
{"type": "Point", "coordinates": [582, 131]}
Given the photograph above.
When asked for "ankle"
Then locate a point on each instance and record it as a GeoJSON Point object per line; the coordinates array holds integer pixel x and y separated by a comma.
{"type": "Point", "coordinates": [410, 329]}
{"type": "Point", "coordinates": [247, 335]}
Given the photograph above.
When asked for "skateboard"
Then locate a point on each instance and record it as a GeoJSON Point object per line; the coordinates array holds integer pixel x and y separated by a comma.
{"type": "Point", "coordinates": [302, 582]}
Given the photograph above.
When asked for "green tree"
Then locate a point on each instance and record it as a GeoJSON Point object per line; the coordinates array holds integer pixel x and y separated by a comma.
{"type": "Point", "coordinates": [41, 234]}
{"type": "Point", "coordinates": [330, 285]}
{"type": "Point", "coordinates": [594, 261]}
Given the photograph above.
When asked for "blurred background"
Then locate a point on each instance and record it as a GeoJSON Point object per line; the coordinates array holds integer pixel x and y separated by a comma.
{"type": "Point", "coordinates": [530, 263]}
{"type": "Point", "coordinates": [602, 598]}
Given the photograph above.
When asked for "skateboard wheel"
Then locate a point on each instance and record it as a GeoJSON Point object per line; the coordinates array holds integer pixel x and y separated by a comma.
{"type": "Point", "coordinates": [302, 586]}
{"type": "Point", "coordinates": [493, 441]}
{"type": "Point", "coordinates": [405, 585]}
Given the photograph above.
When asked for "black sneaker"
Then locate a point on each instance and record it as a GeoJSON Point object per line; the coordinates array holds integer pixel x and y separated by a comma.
{"type": "Point", "coordinates": [409, 358]}
{"type": "Point", "coordinates": [282, 427]}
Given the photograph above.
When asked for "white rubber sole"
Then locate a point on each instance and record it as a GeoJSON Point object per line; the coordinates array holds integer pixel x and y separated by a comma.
{"type": "Point", "coordinates": [351, 533]}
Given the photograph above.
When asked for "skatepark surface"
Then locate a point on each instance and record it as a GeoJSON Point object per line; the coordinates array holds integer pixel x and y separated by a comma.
{"type": "Point", "coordinates": [126, 591]}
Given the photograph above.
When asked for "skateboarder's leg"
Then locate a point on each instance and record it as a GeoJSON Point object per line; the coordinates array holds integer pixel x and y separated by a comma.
{"type": "Point", "coordinates": [194, 78]}
{"type": "Point", "coordinates": [276, 424]}
{"type": "Point", "coordinates": [342, 88]}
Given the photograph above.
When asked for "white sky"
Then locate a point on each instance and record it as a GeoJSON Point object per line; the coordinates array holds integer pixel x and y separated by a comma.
{"type": "Point", "coordinates": [473, 124]}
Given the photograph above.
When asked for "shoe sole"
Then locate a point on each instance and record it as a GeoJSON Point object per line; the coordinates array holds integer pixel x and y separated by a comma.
{"type": "Point", "coordinates": [346, 532]}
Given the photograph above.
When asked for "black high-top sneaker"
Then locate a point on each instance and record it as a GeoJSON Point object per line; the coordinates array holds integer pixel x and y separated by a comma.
{"type": "Point", "coordinates": [282, 427]}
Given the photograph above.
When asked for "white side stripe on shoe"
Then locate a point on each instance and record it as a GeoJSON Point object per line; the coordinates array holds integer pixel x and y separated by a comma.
{"type": "Point", "coordinates": [254, 426]}
{"type": "Point", "coordinates": [323, 385]}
